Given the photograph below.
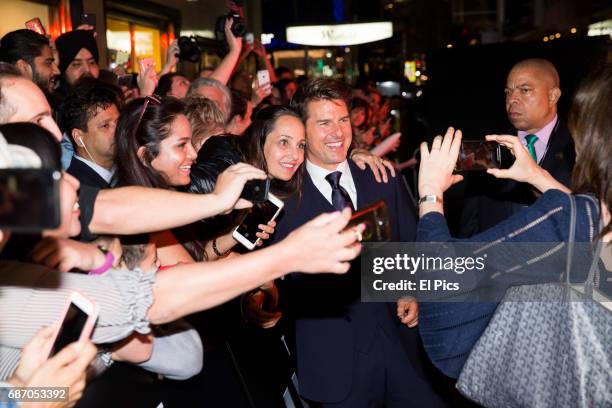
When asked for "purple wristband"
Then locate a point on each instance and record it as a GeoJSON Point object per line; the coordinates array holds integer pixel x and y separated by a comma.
{"type": "Point", "coordinates": [110, 258]}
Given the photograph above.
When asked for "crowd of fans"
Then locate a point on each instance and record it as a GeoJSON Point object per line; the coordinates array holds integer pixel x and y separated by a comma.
{"type": "Point", "coordinates": [151, 177]}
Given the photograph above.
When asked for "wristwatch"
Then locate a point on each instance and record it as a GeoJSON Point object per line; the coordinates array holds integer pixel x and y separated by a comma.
{"type": "Point", "coordinates": [430, 198]}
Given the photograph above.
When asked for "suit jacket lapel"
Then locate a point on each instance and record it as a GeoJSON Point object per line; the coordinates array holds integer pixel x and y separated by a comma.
{"type": "Point", "coordinates": [362, 184]}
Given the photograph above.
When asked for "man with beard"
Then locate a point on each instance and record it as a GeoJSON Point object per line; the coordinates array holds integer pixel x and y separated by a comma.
{"type": "Point", "coordinates": [532, 92]}
{"type": "Point", "coordinates": [78, 58]}
{"type": "Point", "coordinates": [31, 54]}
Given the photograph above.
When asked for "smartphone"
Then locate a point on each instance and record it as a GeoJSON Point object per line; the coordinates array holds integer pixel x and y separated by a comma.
{"type": "Point", "coordinates": [479, 155]}
{"type": "Point", "coordinates": [263, 77]}
{"type": "Point", "coordinates": [125, 80]}
{"type": "Point", "coordinates": [29, 199]}
{"type": "Point", "coordinates": [89, 19]}
{"type": "Point", "coordinates": [376, 219]}
{"type": "Point", "coordinates": [77, 322]}
{"type": "Point", "coordinates": [35, 25]}
{"type": "Point", "coordinates": [256, 191]}
{"type": "Point", "coordinates": [249, 38]}
{"type": "Point", "coordinates": [146, 63]}
{"type": "Point", "coordinates": [261, 213]}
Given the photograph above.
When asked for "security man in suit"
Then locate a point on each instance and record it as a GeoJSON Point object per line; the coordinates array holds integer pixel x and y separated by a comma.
{"type": "Point", "coordinates": [532, 92]}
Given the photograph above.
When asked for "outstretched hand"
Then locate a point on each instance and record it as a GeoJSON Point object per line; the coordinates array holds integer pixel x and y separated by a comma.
{"type": "Point", "coordinates": [323, 246]}
{"type": "Point", "coordinates": [437, 165]}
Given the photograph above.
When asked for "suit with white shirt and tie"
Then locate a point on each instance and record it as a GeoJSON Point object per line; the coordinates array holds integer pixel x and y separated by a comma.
{"type": "Point", "coordinates": [348, 353]}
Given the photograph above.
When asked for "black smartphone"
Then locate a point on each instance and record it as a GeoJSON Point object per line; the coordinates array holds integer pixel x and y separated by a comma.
{"type": "Point", "coordinates": [78, 321]}
{"type": "Point", "coordinates": [29, 199]}
{"type": "Point", "coordinates": [256, 191]}
{"type": "Point", "coordinates": [479, 156]}
{"type": "Point", "coordinates": [125, 80]}
{"type": "Point", "coordinates": [89, 19]}
{"type": "Point", "coordinates": [376, 220]}
{"type": "Point", "coordinates": [261, 213]}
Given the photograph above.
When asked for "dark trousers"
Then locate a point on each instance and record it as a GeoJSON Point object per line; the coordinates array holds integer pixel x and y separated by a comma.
{"type": "Point", "coordinates": [384, 377]}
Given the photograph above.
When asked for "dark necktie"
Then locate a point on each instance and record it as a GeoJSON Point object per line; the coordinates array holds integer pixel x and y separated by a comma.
{"type": "Point", "coordinates": [531, 139]}
{"type": "Point", "coordinates": [340, 197]}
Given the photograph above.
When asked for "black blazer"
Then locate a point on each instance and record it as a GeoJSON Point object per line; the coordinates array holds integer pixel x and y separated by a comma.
{"type": "Point", "coordinates": [488, 200]}
{"type": "Point", "coordinates": [330, 322]}
{"type": "Point", "coordinates": [86, 175]}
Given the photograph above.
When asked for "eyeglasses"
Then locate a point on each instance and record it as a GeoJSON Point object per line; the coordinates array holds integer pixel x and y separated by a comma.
{"type": "Point", "coordinates": [153, 100]}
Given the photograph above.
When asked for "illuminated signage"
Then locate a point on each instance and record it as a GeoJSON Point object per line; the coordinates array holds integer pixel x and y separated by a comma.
{"type": "Point", "coordinates": [339, 34]}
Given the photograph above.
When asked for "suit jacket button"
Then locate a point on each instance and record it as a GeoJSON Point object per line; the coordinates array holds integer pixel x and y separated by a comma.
{"type": "Point", "coordinates": [348, 318]}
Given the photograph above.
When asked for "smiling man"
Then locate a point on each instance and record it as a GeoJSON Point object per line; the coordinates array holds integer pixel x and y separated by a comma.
{"type": "Point", "coordinates": [31, 54]}
{"type": "Point", "coordinates": [532, 92]}
{"type": "Point", "coordinates": [349, 354]}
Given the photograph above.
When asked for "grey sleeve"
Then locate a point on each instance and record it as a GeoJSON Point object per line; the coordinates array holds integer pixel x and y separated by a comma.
{"type": "Point", "coordinates": [177, 351]}
{"type": "Point", "coordinates": [32, 296]}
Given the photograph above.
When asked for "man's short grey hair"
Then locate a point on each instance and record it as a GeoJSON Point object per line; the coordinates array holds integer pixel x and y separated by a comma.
{"type": "Point", "coordinates": [227, 96]}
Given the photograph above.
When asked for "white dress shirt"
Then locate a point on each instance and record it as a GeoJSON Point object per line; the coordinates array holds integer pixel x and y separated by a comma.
{"type": "Point", "coordinates": [107, 175]}
{"type": "Point", "coordinates": [317, 174]}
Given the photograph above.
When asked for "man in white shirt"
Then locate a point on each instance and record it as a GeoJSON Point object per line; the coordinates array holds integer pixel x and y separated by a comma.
{"type": "Point", "coordinates": [348, 353]}
{"type": "Point", "coordinates": [89, 115]}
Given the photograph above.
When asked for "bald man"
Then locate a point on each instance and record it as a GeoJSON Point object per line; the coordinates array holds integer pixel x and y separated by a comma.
{"type": "Point", "coordinates": [532, 92]}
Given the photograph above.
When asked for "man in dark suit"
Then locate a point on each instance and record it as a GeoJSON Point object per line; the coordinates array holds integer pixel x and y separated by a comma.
{"type": "Point", "coordinates": [532, 92]}
{"type": "Point", "coordinates": [89, 116]}
{"type": "Point", "coordinates": [349, 354]}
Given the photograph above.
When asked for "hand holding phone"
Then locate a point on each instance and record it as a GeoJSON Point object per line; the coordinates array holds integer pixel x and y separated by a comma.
{"type": "Point", "coordinates": [77, 322]}
{"type": "Point", "coordinates": [479, 155]}
{"type": "Point", "coordinates": [262, 213]}
{"type": "Point", "coordinates": [263, 77]}
{"type": "Point", "coordinates": [256, 190]}
{"type": "Point", "coordinates": [375, 217]}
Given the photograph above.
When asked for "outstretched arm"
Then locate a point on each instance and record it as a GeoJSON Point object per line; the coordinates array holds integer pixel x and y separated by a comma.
{"type": "Point", "coordinates": [224, 71]}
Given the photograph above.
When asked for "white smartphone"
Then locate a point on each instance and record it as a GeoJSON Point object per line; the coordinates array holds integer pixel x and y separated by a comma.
{"type": "Point", "coordinates": [261, 213]}
{"type": "Point", "coordinates": [263, 77]}
{"type": "Point", "coordinates": [77, 322]}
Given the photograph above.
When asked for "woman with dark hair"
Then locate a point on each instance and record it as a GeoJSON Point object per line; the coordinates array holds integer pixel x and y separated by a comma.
{"type": "Point", "coordinates": [275, 143]}
{"type": "Point", "coordinates": [450, 330]}
{"type": "Point", "coordinates": [154, 149]}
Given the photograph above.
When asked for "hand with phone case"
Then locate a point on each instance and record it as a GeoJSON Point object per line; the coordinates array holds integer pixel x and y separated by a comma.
{"type": "Point", "coordinates": [248, 233]}
{"type": "Point", "coordinates": [524, 169]}
{"type": "Point", "coordinates": [230, 184]}
{"type": "Point", "coordinates": [67, 369]}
